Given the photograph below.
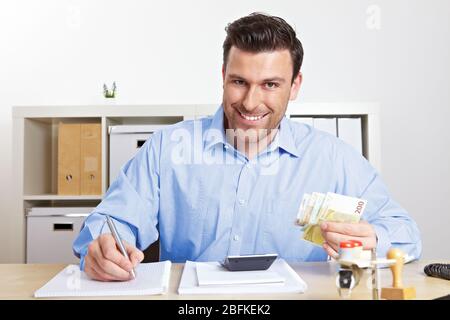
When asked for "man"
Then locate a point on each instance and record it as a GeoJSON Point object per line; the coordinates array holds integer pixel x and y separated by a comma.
{"type": "Point", "coordinates": [232, 184]}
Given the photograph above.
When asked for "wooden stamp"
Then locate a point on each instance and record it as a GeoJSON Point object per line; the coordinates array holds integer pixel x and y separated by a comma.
{"type": "Point", "coordinates": [397, 291]}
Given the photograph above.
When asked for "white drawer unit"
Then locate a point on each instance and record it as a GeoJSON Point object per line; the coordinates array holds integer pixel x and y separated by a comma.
{"type": "Point", "coordinates": [51, 232]}
{"type": "Point", "coordinates": [124, 142]}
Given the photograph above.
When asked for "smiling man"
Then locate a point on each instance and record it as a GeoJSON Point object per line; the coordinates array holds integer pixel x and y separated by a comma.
{"type": "Point", "coordinates": [257, 88]}
{"type": "Point", "coordinates": [239, 185]}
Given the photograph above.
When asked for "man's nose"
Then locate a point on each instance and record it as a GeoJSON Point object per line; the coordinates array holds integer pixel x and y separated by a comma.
{"type": "Point", "coordinates": [252, 99]}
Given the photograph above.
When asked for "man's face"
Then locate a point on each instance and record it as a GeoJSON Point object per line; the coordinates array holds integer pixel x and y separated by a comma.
{"type": "Point", "coordinates": [256, 90]}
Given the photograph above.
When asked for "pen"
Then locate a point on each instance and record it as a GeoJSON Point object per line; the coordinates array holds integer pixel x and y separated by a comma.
{"type": "Point", "coordinates": [119, 242]}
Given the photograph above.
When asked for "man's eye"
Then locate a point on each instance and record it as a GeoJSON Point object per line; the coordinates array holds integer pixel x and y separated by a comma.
{"type": "Point", "coordinates": [271, 85]}
{"type": "Point", "coordinates": [239, 82]}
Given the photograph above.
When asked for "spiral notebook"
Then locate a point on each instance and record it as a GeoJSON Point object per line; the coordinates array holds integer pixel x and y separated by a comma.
{"type": "Point", "coordinates": [151, 279]}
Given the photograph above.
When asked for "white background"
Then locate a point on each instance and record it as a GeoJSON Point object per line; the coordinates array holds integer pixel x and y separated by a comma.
{"type": "Point", "coordinates": [61, 52]}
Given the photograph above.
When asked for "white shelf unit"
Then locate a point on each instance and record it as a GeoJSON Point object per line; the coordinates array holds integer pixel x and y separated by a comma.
{"type": "Point", "coordinates": [35, 137]}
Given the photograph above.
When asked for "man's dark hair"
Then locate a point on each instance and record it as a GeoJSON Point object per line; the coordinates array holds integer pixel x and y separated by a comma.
{"type": "Point", "coordinates": [259, 32]}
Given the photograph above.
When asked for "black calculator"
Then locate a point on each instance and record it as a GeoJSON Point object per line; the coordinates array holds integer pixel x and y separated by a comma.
{"type": "Point", "coordinates": [249, 262]}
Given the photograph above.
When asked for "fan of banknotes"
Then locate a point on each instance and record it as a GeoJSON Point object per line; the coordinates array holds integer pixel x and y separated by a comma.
{"type": "Point", "coordinates": [318, 207]}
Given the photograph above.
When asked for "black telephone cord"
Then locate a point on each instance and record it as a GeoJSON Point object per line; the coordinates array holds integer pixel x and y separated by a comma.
{"type": "Point", "coordinates": [438, 270]}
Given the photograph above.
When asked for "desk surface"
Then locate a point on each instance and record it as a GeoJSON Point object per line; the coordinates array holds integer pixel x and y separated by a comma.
{"type": "Point", "coordinates": [19, 281]}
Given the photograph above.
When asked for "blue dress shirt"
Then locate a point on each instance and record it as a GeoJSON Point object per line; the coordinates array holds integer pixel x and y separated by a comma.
{"type": "Point", "coordinates": [205, 200]}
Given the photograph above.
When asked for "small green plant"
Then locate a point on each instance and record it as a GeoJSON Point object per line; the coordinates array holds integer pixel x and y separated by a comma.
{"type": "Point", "coordinates": [109, 93]}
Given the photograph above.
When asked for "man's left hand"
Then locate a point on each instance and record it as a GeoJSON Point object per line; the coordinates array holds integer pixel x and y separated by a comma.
{"type": "Point", "coordinates": [335, 232]}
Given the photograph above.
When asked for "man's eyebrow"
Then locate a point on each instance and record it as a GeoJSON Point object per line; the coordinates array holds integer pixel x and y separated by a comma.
{"type": "Point", "coordinates": [272, 79]}
{"type": "Point", "coordinates": [236, 76]}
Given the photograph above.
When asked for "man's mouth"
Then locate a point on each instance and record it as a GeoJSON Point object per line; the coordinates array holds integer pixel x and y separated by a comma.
{"type": "Point", "coordinates": [251, 117]}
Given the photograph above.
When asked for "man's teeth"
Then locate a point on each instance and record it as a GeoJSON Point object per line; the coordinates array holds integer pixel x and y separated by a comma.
{"type": "Point", "coordinates": [252, 118]}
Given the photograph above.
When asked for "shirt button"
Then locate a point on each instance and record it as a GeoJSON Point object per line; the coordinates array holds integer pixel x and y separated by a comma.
{"type": "Point", "coordinates": [236, 238]}
{"type": "Point", "coordinates": [248, 165]}
{"type": "Point", "coordinates": [226, 146]}
{"type": "Point", "coordinates": [241, 201]}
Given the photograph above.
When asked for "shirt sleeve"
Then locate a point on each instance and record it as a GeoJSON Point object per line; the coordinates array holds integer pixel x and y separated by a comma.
{"type": "Point", "coordinates": [392, 223]}
{"type": "Point", "coordinates": [132, 201]}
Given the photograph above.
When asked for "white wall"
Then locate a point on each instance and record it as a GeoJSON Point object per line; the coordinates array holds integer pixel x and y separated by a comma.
{"type": "Point", "coordinates": [61, 52]}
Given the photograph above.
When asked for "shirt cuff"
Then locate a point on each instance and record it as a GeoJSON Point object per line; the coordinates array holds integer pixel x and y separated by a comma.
{"type": "Point", "coordinates": [123, 229]}
{"type": "Point", "coordinates": [82, 262]}
{"type": "Point", "coordinates": [383, 242]}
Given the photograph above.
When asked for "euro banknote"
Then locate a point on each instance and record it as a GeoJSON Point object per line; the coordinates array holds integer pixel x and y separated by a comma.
{"type": "Point", "coordinates": [317, 207]}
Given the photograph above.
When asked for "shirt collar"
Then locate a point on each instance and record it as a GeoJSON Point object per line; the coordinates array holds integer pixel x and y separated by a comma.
{"type": "Point", "coordinates": [216, 132]}
{"type": "Point", "coordinates": [284, 138]}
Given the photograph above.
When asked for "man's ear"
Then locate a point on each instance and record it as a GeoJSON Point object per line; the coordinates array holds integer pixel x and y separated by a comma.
{"type": "Point", "coordinates": [223, 76]}
{"type": "Point", "coordinates": [296, 86]}
{"type": "Point", "coordinates": [223, 72]}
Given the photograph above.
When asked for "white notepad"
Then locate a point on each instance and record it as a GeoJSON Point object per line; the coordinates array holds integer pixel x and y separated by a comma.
{"type": "Point", "coordinates": [209, 274]}
{"type": "Point", "coordinates": [151, 278]}
{"type": "Point", "coordinates": [293, 283]}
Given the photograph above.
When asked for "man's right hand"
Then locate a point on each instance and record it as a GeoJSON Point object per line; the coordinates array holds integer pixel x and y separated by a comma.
{"type": "Point", "coordinates": [105, 262]}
